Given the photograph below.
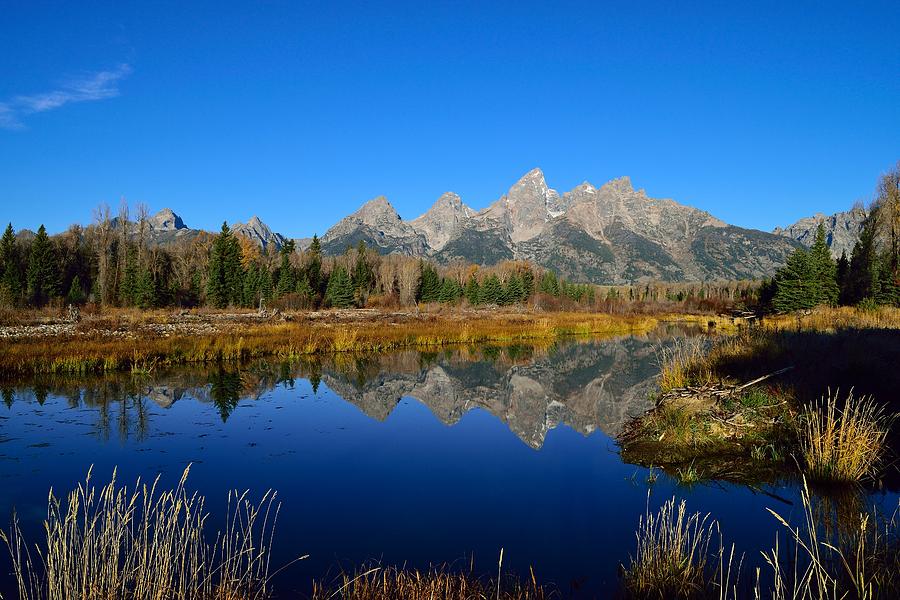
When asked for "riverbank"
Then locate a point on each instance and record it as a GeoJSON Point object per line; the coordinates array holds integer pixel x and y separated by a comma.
{"type": "Point", "coordinates": [738, 408]}
{"type": "Point", "coordinates": [142, 341]}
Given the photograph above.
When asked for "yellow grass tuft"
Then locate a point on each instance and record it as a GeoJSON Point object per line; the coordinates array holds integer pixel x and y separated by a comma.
{"type": "Point", "coordinates": [843, 443]}
{"type": "Point", "coordinates": [672, 558]}
{"type": "Point", "coordinates": [145, 544]}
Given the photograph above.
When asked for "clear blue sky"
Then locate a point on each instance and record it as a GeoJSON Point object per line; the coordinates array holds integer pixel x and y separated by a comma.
{"type": "Point", "coordinates": [300, 112]}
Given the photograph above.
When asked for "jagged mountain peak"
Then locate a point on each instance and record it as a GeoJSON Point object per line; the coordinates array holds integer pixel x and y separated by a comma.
{"type": "Point", "coordinates": [379, 206]}
{"type": "Point", "coordinates": [446, 217]}
{"type": "Point", "coordinates": [166, 220]}
{"type": "Point", "coordinates": [620, 184]}
{"type": "Point", "coordinates": [842, 229]}
{"type": "Point", "coordinates": [256, 230]}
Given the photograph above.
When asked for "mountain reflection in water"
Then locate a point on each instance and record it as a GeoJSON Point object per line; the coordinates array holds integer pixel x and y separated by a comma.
{"type": "Point", "coordinates": [586, 385]}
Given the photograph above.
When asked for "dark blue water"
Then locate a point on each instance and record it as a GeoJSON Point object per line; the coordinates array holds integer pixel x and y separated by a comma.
{"type": "Point", "coordinates": [407, 458]}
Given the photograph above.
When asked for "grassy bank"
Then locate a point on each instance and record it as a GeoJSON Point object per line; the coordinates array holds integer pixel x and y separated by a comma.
{"type": "Point", "coordinates": [146, 342]}
{"type": "Point", "coordinates": [829, 376]}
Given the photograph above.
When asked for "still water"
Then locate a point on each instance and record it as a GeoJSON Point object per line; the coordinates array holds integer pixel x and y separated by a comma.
{"type": "Point", "coordinates": [410, 457]}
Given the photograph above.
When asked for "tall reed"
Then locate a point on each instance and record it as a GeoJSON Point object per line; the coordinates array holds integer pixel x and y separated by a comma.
{"type": "Point", "coordinates": [145, 544]}
{"type": "Point", "coordinates": [437, 583]}
{"type": "Point", "coordinates": [683, 363]}
{"type": "Point", "coordinates": [863, 565]}
{"type": "Point", "coordinates": [843, 442]}
{"type": "Point", "coordinates": [672, 558]}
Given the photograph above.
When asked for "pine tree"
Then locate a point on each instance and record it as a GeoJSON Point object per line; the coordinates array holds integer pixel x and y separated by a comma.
{"type": "Point", "coordinates": [266, 289]}
{"type": "Point", "coordinates": [251, 294]}
{"type": "Point", "coordinates": [549, 284]}
{"type": "Point", "coordinates": [42, 276]}
{"type": "Point", "coordinates": [10, 269]}
{"type": "Point", "coordinates": [823, 274]}
{"type": "Point", "coordinates": [225, 280]}
{"type": "Point", "coordinates": [314, 265]}
{"type": "Point", "coordinates": [451, 291]}
{"type": "Point", "coordinates": [888, 292]}
{"type": "Point", "coordinates": [339, 293]}
{"type": "Point", "coordinates": [862, 278]}
{"type": "Point", "coordinates": [514, 291]}
{"type": "Point", "coordinates": [429, 284]}
{"type": "Point", "coordinates": [128, 286]}
{"type": "Point", "coordinates": [491, 291]}
{"type": "Point", "coordinates": [76, 293]}
{"type": "Point", "coordinates": [145, 295]}
{"type": "Point", "coordinates": [842, 271]}
{"type": "Point", "coordinates": [527, 283]}
{"type": "Point", "coordinates": [305, 291]}
{"type": "Point", "coordinates": [287, 276]}
{"type": "Point", "coordinates": [793, 286]}
{"type": "Point", "coordinates": [472, 292]}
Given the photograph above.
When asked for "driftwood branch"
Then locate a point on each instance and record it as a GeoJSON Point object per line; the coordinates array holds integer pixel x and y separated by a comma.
{"type": "Point", "coordinates": [763, 378]}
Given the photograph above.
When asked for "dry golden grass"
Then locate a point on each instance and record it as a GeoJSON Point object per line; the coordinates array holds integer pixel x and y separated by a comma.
{"type": "Point", "coordinates": [99, 351]}
{"type": "Point", "coordinates": [843, 441]}
{"type": "Point", "coordinates": [683, 363]}
{"type": "Point", "coordinates": [145, 544]}
{"type": "Point", "coordinates": [863, 565]}
{"type": "Point", "coordinates": [673, 554]}
{"type": "Point", "coordinates": [834, 318]}
{"type": "Point", "coordinates": [391, 583]}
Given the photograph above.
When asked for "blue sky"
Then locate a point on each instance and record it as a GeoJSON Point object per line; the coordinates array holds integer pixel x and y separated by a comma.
{"type": "Point", "coordinates": [297, 112]}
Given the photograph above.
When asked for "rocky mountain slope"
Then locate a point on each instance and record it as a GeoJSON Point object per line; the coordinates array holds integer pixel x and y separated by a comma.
{"type": "Point", "coordinates": [611, 234]}
{"type": "Point", "coordinates": [842, 229]}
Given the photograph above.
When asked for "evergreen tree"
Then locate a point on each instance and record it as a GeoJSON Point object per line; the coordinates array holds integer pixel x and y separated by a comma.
{"type": "Point", "coordinates": [363, 274]}
{"type": "Point", "coordinates": [251, 293]}
{"type": "Point", "coordinates": [266, 289]}
{"type": "Point", "coordinates": [429, 284]}
{"type": "Point", "coordinates": [842, 271]}
{"type": "Point", "coordinates": [824, 271]}
{"type": "Point", "coordinates": [305, 291]}
{"type": "Point", "coordinates": [314, 265]}
{"type": "Point", "coordinates": [10, 269]}
{"type": "Point", "coordinates": [793, 283]}
{"type": "Point", "coordinates": [42, 276]}
{"type": "Point", "coordinates": [225, 280]}
{"type": "Point", "coordinates": [862, 278]}
{"type": "Point", "coordinates": [491, 290]}
{"type": "Point", "coordinates": [888, 292]}
{"type": "Point", "coordinates": [76, 293]}
{"type": "Point", "coordinates": [145, 295]}
{"type": "Point", "coordinates": [451, 291]}
{"type": "Point", "coordinates": [339, 293]}
{"type": "Point", "coordinates": [472, 291]}
{"type": "Point", "coordinates": [287, 276]}
{"type": "Point", "coordinates": [549, 284]}
{"type": "Point", "coordinates": [527, 283]}
{"type": "Point", "coordinates": [514, 291]}
{"type": "Point", "coordinates": [128, 286]}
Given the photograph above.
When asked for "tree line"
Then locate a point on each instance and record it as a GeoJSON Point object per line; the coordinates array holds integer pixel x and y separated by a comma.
{"type": "Point", "coordinates": [112, 262]}
{"type": "Point", "coordinates": [870, 277]}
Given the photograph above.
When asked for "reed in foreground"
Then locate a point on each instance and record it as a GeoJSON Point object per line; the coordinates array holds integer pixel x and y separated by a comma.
{"type": "Point", "coordinates": [843, 442]}
{"type": "Point", "coordinates": [861, 564]}
{"type": "Point", "coordinates": [673, 558]}
{"type": "Point", "coordinates": [145, 544]}
{"type": "Point", "coordinates": [392, 583]}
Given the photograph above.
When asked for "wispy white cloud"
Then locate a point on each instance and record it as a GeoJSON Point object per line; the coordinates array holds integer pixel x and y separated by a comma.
{"type": "Point", "coordinates": [96, 86]}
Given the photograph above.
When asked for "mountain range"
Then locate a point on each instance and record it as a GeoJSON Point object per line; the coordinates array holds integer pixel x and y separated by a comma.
{"type": "Point", "coordinates": [612, 234]}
